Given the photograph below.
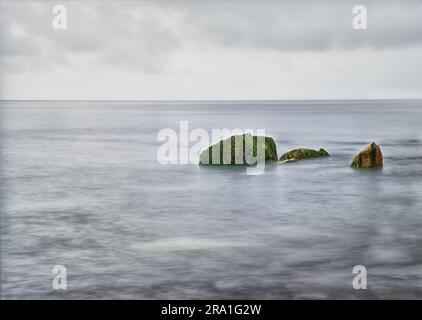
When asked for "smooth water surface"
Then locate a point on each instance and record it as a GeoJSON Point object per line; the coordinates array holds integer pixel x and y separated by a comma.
{"type": "Point", "coordinates": [81, 187]}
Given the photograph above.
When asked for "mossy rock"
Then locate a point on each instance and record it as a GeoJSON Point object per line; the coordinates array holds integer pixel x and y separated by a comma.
{"type": "Point", "coordinates": [241, 147]}
{"type": "Point", "coordinates": [368, 157]}
{"type": "Point", "coordinates": [302, 153]}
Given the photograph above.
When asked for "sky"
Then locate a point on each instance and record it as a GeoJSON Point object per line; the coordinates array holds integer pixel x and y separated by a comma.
{"type": "Point", "coordinates": [210, 50]}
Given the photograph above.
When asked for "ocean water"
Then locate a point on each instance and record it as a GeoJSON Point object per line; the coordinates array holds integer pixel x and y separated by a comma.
{"type": "Point", "coordinates": [81, 187]}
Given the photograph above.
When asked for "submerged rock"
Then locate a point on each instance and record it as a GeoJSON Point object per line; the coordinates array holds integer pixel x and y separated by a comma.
{"type": "Point", "coordinates": [239, 146]}
{"type": "Point", "coordinates": [369, 157]}
{"type": "Point", "coordinates": [303, 153]}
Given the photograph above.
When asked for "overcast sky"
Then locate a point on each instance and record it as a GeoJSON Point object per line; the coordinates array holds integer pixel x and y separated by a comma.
{"type": "Point", "coordinates": [211, 50]}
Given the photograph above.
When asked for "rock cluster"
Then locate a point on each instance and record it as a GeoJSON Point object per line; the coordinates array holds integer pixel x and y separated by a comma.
{"type": "Point", "coordinates": [244, 147]}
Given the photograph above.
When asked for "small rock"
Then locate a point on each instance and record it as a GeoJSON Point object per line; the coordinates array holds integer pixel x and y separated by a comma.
{"type": "Point", "coordinates": [303, 153]}
{"type": "Point", "coordinates": [369, 157]}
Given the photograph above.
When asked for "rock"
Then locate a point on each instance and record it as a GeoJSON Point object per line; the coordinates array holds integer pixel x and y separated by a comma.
{"type": "Point", "coordinates": [369, 157]}
{"type": "Point", "coordinates": [303, 153]}
{"type": "Point", "coordinates": [238, 149]}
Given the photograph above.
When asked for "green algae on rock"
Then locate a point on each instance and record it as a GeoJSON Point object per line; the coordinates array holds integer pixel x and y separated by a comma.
{"type": "Point", "coordinates": [303, 153]}
{"type": "Point", "coordinates": [368, 157]}
{"type": "Point", "coordinates": [242, 149]}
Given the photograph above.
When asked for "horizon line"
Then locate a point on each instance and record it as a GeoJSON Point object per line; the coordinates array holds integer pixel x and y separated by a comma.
{"type": "Point", "coordinates": [193, 100]}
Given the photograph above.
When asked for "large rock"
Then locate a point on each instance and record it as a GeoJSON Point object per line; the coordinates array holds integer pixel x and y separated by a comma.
{"type": "Point", "coordinates": [303, 153]}
{"type": "Point", "coordinates": [369, 157]}
{"type": "Point", "coordinates": [239, 146]}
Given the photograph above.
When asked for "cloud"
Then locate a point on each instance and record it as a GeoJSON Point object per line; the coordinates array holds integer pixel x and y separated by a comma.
{"type": "Point", "coordinates": [128, 35]}
{"type": "Point", "coordinates": [157, 49]}
{"type": "Point", "coordinates": [144, 34]}
{"type": "Point", "coordinates": [305, 25]}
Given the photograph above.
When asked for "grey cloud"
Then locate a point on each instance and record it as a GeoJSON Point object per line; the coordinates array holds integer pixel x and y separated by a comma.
{"type": "Point", "coordinates": [115, 34]}
{"type": "Point", "coordinates": [306, 25]}
{"type": "Point", "coordinates": [143, 36]}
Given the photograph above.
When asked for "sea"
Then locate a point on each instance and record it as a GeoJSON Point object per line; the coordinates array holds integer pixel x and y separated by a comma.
{"type": "Point", "coordinates": [82, 188]}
